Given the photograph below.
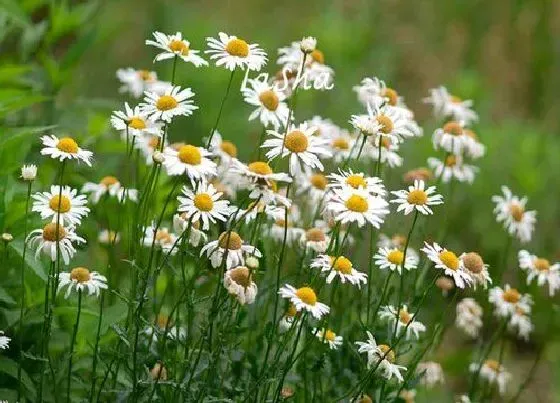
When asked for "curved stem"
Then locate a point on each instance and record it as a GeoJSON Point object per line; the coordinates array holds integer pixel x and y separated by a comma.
{"type": "Point", "coordinates": [221, 109]}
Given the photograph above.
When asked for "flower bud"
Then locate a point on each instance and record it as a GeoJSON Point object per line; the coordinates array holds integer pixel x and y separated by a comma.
{"type": "Point", "coordinates": [308, 44]}
{"type": "Point", "coordinates": [158, 157]}
{"type": "Point", "coordinates": [7, 237]}
{"type": "Point", "coordinates": [252, 262]}
{"type": "Point", "coordinates": [29, 172]}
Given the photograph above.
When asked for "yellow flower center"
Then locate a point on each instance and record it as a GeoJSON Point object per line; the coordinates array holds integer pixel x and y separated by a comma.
{"type": "Point", "coordinates": [390, 94]}
{"type": "Point", "coordinates": [163, 236]}
{"type": "Point", "coordinates": [330, 335]}
{"type": "Point", "coordinates": [398, 239]}
{"type": "Point", "coordinates": [162, 321]}
{"type": "Point", "coordinates": [237, 47]}
{"type": "Point", "coordinates": [177, 46]}
{"type": "Point", "coordinates": [190, 155]}
{"type": "Point", "coordinates": [319, 181]}
{"type": "Point", "coordinates": [260, 168]}
{"type": "Point", "coordinates": [385, 142]}
{"type": "Point", "coordinates": [341, 143]}
{"type": "Point", "coordinates": [417, 197]}
{"type": "Point", "coordinates": [145, 75]}
{"type": "Point", "coordinates": [51, 234]}
{"type": "Point", "coordinates": [395, 256]}
{"type": "Point", "coordinates": [68, 145]}
{"type": "Point", "coordinates": [471, 134]}
{"type": "Point", "coordinates": [269, 99]}
{"type": "Point", "coordinates": [318, 56]}
{"type": "Point", "coordinates": [230, 240]}
{"type": "Point", "coordinates": [418, 174]}
{"type": "Point", "coordinates": [203, 202]}
{"type": "Point", "coordinates": [315, 235]}
{"type": "Point", "coordinates": [108, 180]}
{"type": "Point", "coordinates": [450, 160]}
{"type": "Point", "coordinates": [542, 264]}
{"type": "Point", "coordinates": [404, 316]}
{"type": "Point", "coordinates": [364, 399]}
{"type": "Point", "coordinates": [473, 262]}
{"type": "Point", "coordinates": [386, 124]}
{"type": "Point", "coordinates": [449, 259]}
{"type": "Point", "coordinates": [154, 142]}
{"type": "Point", "coordinates": [453, 128]}
{"type": "Point", "coordinates": [291, 311]}
{"type": "Point", "coordinates": [390, 356]}
{"type": "Point", "coordinates": [512, 296]}
{"type": "Point", "coordinates": [516, 212]}
{"type": "Point", "coordinates": [229, 148]}
{"type": "Point", "coordinates": [357, 204]}
{"type": "Point", "coordinates": [137, 123]}
{"type": "Point", "coordinates": [80, 274]}
{"type": "Point", "coordinates": [241, 275]}
{"type": "Point", "coordinates": [341, 264]}
{"type": "Point", "coordinates": [493, 365]}
{"type": "Point", "coordinates": [60, 204]}
{"type": "Point", "coordinates": [455, 99]}
{"type": "Point", "coordinates": [166, 102]}
{"type": "Point", "coordinates": [296, 141]}
{"type": "Point", "coordinates": [356, 181]}
{"type": "Point", "coordinates": [307, 295]}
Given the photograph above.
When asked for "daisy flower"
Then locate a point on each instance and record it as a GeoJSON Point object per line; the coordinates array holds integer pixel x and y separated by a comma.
{"type": "Point", "coordinates": [373, 90]}
{"type": "Point", "coordinates": [384, 121]}
{"type": "Point", "coordinates": [180, 225]}
{"type": "Point", "coordinates": [81, 279]}
{"type": "Point", "coordinates": [28, 172]}
{"type": "Point", "coordinates": [405, 321]}
{"type": "Point", "coordinates": [329, 337]}
{"type": "Point", "coordinates": [238, 282]}
{"type": "Point", "coordinates": [175, 46]}
{"type": "Point", "coordinates": [382, 356]}
{"type": "Point", "coordinates": [392, 258]}
{"type": "Point", "coordinates": [315, 188]}
{"type": "Point", "coordinates": [339, 266]}
{"type": "Point", "coordinates": [300, 145]}
{"type": "Point", "coordinates": [476, 267]}
{"type": "Point", "coordinates": [449, 262]}
{"type": "Point", "coordinates": [279, 227]}
{"type": "Point", "coordinates": [397, 241]}
{"type": "Point", "coordinates": [447, 105]}
{"type": "Point", "coordinates": [341, 146]}
{"type": "Point", "coordinates": [541, 269]}
{"type": "Point", "coordinates": [163, 326]}
{"type": "Point", "coordinates": [356, 180]}
{"type": "Point", "coordinates": [324, 128]}
{"type": "Point", "coordinates": [64, 203]}
{"type": "Point", "coordinates": [422, 173]}
{"type": "Point", "coordinates": [260, 172]}
{"type": "Point", "coordinates": [387, 153]}
{"type": "Point", "coordinates": [272, 109]}
{"type": "Point", "coordinates": [190, 160]}
{"type": "Point", "coordinates": [231, 245]}
{"type": "Point", "coordinates": [111, 186]}
{"type": "Point", "coordinates": [223, 149]}
{"type": "Point", "coordinates": [510, 210]}
{"type": "Point", "coordinates": [520, 324]}
{"type": "Point", "coordinates": [469, 317]}
{"type": "Point", "coordinates": [134, 122]}
{"type": "Point", "coordinates": [452, 167]}
{"type": "Point", "coordinates": [64, 148]}
{"type": "Point", "coordinates": [203, 204]}
{"type": "Point", "coordinates": [135, 82]}
{"type": "Point", "coordinates": [47, 238]}
{"type": "Point", "coordinates": [357, 205]}
{"type": "Point", "coordinates": [161, 238]}
{"type": "Point", "coordinates": [315, 239]}
{"type": "Point", "coordinates": [304, 298]}
{"type": "Point", "coordinates": [493, 373]}
{"type": "Point", "coordinates": [233, 52]}
{"type": "Point", "coordinates": [451, 137]}
{"type": "Point", "coordinates": [431, 373]}
{"type": "Point", "coordinates": [418, 198]}
{"type": "Point", "coordinates": [506, 301]}
{"type": "Point", "coordinates": [174, 102]}
{"type": "Point", "coordinates": [4, 341]}
{"type": "Point", "coordinates": [473, 148]}
{"type": "Point", "coordinates": [288, 318]}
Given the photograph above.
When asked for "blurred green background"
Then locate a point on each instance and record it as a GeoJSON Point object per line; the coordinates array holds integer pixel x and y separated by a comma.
{"type": "Point", "coordinates": [505, 55]}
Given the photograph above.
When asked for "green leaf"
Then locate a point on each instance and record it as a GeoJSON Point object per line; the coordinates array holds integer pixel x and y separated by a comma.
{"type": "Point", "coordinates": [35, 264]}
{"type": "Point", "coordinates": [4, 296]}
{"type": "Point", "coordinates": [14, 146]}
{"type": "Point", "coordinates": [13, 9]}
{"type": "Point", "coordinates": [10, 368]}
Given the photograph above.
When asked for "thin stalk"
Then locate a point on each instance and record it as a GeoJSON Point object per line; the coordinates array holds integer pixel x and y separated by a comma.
{"type": "Point", "coordinates": [221, 109]}
{"type": "Point", "coordinates": [96, 349]}
{"type": "Point", "coordinates": [74, 333]}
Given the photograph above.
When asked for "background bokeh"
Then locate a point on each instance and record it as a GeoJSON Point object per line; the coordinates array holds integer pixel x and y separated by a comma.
{"type": "Point", "coordinates": [505, 55]}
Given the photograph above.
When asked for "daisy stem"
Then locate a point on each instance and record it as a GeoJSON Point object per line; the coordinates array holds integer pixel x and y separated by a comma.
{"type": "Point", "coordinates": [529, 377]}
{"type": "Point", "coordinates": [74, 333]}
{"type": "Point", "coordinates": [385, 287]}
{"type": "Point", "coordinates": [370, 274]}
{"type": "Point", "coordinates": [44, 342]}
{"type": "Point", "coordinates": [96, 350]}
{"type": "Point", "coordinates": [22, 307]}
{"type": "Point", "coordinates": [378, 163]}
{"type": "Point", "coordinates": [173, 70]}
{"type": "Point", "coordinates": [401, 287]}
{"type": "Point", "coordinates": [361, 147]}
{"type": "Point", "coordinates": [221, 109]}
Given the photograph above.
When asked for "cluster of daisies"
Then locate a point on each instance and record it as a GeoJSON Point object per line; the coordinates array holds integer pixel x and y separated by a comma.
{"type": "Point", "coordinates": [301, 191]}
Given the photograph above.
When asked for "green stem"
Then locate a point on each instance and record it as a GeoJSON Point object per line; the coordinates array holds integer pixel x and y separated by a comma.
{"type": "Point", "coordinates": [96, 350]}
{"type": "Point", "coordinates": [74, 333]}
{"type": "Point", "coordinates": [221, 109]}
